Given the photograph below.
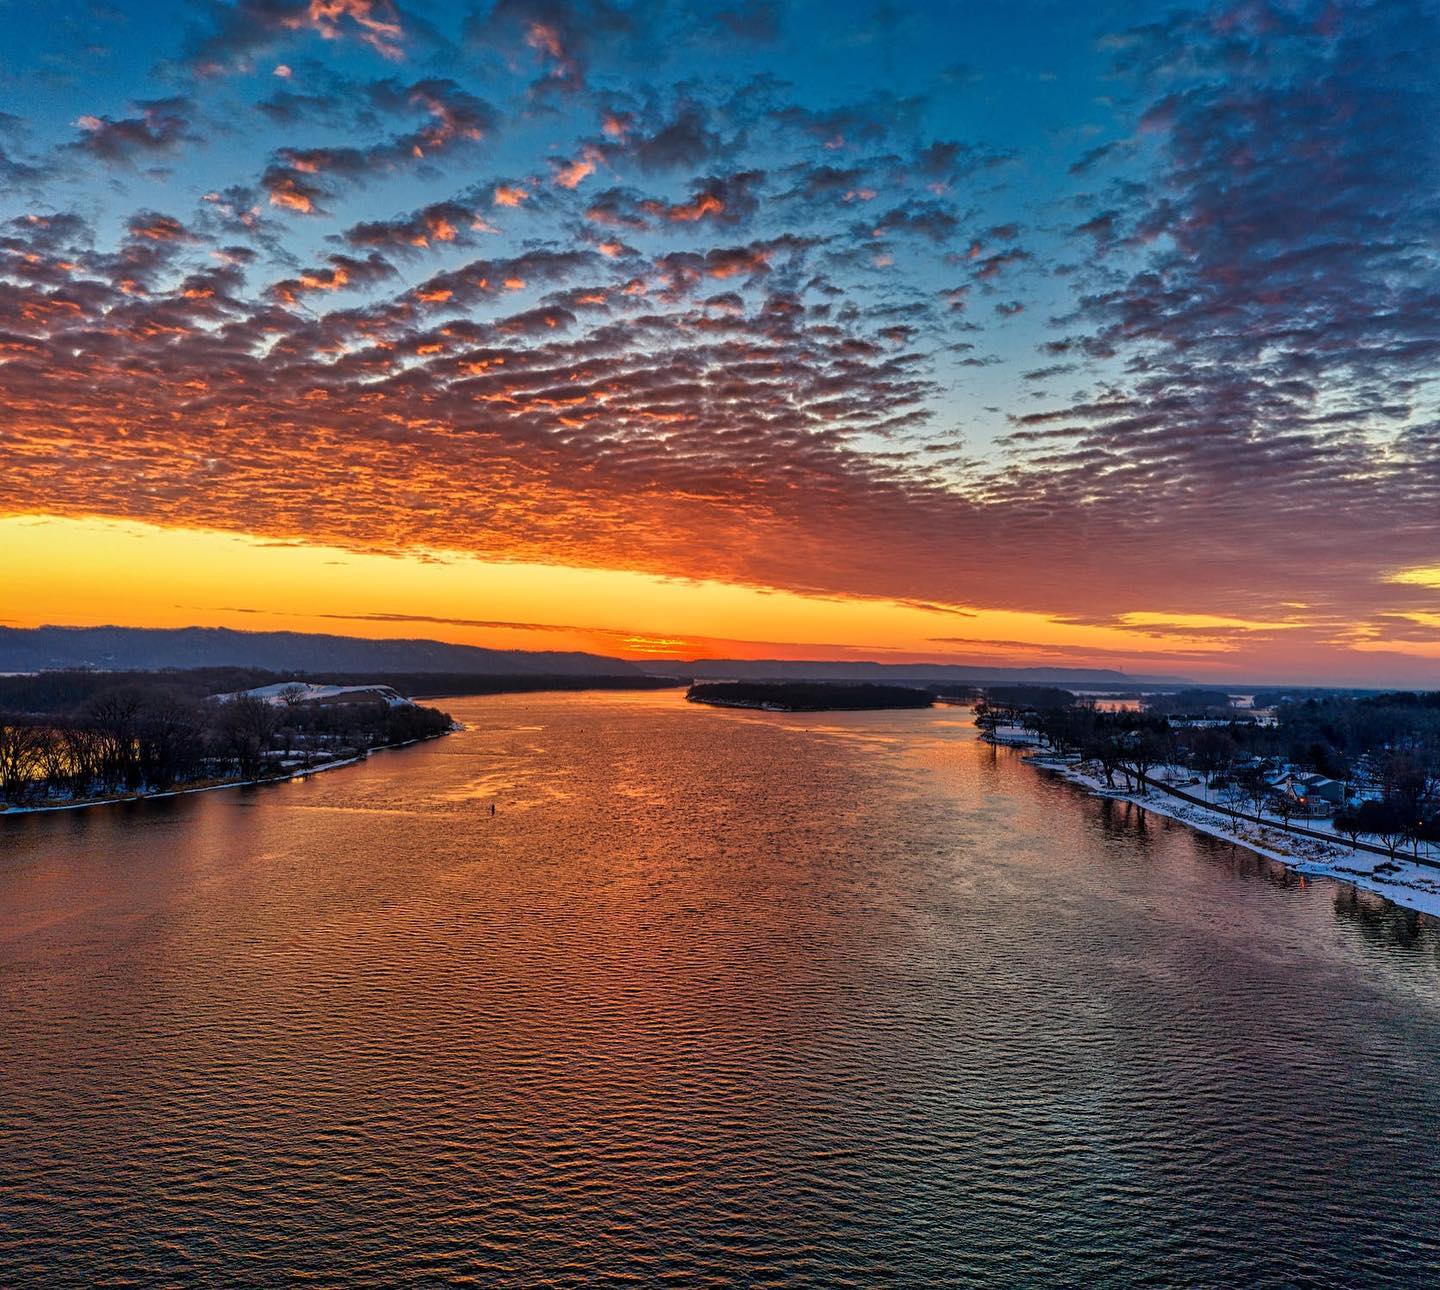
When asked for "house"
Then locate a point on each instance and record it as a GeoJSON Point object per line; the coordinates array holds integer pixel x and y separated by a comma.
{"type": "Point", "coordinates": [1324, 788]}
{"type": "Point", "coordinates": [1296, 793]}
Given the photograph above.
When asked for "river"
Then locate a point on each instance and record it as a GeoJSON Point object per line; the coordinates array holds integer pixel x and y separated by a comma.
{"type": "Point", "coordinates": [715, 996]}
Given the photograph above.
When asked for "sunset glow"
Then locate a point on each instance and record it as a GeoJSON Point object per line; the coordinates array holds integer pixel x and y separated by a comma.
{"type": "Point", "coordinates": [81, 571]}
{"type": "Point", "coordinates": [719, 642]}
{"type": "Point", "coordinates": [506, 327]}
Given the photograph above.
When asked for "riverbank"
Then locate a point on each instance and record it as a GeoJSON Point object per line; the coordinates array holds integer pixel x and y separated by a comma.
{"type": "Point", "coordinates": [1401, 881]}
{"type": "Point", "coordinates": [294, 773]}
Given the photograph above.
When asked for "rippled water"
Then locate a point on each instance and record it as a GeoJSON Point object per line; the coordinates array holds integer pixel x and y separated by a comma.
{"type": "Point", "coordinates": [714, 997]}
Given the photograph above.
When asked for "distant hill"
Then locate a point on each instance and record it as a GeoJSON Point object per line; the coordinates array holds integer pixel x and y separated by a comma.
{"type": "Point", "coordinates": [735, 669]}
{"type": "Point", "coordinates": [33, 649]}
{"type": "Point", "coordinates": [36, 649]}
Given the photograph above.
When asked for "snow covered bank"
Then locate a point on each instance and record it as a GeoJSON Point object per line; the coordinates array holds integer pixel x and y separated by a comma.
{"type": "Point", "coordinates": [1401, 881]}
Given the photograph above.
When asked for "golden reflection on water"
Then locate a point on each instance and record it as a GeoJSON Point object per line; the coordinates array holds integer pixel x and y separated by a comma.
{"type": "Point", "coordinates": [712, 995]}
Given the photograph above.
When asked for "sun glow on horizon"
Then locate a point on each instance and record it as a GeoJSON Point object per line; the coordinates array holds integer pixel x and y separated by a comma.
{"type": "Point", "coordinates": [93, 572]}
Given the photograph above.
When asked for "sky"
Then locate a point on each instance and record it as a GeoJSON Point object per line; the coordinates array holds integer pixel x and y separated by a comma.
{"type": "Point", "coordinates": [1033, 333]}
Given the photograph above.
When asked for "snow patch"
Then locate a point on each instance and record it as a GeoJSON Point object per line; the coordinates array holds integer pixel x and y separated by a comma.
{"type": "Point", "coordinates": [286, 693]}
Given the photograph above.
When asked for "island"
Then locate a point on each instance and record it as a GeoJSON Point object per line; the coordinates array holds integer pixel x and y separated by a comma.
{"type": "Point", "coordinates": [807, 696]}
{"type": "Point", "coordinates": [72, 739]}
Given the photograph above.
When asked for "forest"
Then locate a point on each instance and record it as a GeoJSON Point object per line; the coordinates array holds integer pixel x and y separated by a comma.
{"type": "Point", "coordinates": [67, 738]}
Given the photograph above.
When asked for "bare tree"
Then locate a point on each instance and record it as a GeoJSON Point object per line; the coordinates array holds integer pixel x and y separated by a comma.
{"type": "Point", "coordinates": [246, 725]}
{"type": "Point", "coordinates": [1212, 753]}
{"type": "Point", "coordinates": [1145, 750]}
{"type": "Point", "coordinates": [168, 739]}
{"type": "Point", "coordinates": [20, 758]}
{"type": "Point", "coordinates": [115, 720]}
{"type": "Point", "coordinates": [82, 758]}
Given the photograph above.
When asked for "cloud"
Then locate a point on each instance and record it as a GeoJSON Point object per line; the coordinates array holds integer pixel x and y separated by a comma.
{"type": "Point", "coordinates": [721, 199]}
{"type": "Point", "coordinates": [438, 224]}
{"type": "Point", "coordinates": [228, 34]}
{"type": "Point", "coordinates": [338, 272]}
{"type": "Point", "coordinates": [918, 219]}
{"type": "Point", "coordinates": [865, 122]}
{"type": "Point", "coordinates": [480, 280]}
{"type": "Point", "coordinates": [1275, 323]}
{"type": "Point", "coordinates": [303, 179]}
{"type": "Point", "coordinates": [683, 140]}
{"type": "Point", "coordinates": [160, 127]}
{"type": "Point", "coordinates": [18, 171]}
{"type": "Point", "coordinates": [946, 162]}
{"type": "Point", "coordinates": [574, 171]}
{"type": "Point", "coordinates": [719, 326]}
{"type": "Point", "coordinates": [561, 37]}
{"type": "Point", "coordinates": [155, 227]}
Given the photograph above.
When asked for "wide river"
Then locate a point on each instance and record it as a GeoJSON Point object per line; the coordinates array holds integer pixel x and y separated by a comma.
{"type": "Point", "coordinates": [714, 997]}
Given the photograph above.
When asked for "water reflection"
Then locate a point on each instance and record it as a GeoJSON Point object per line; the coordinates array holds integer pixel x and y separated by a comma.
{"type": "Point", "coordinates": [1383, 923]}
{"type": "Point", "coordinates": [713, 996]}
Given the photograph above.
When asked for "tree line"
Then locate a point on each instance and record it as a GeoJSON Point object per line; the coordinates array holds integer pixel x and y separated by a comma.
{"type": "Point", "coordinates": [152, 736]}
{"type": "Point", "coordinates": [809, 696]}
{"type": "Point", "coordinates": [1383, 749]}
{"type": "Point", "coordinates": [66, 690]}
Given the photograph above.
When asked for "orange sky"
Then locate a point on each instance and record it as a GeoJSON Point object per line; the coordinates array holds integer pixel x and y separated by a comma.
{"type": "Point", "coordinates": [538, 325]}
{"type": "Point", "coordinates": [95, 572]}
